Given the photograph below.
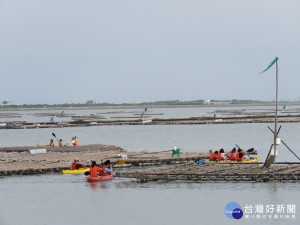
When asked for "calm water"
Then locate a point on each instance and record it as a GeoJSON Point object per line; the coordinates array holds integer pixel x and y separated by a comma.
{"type": "Point", "coordinates": [61, 200]}
{"type": "Point", "coordinates": [191, 138]}
{"type": "Point", "coordinates": [67, 199]}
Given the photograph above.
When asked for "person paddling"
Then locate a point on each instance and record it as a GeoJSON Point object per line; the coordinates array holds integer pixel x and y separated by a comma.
{"type": "Point", "coordinates": [60, 143]}
{"type": "Point", "coordinates": [106, 170]}
{"type": "Point", "coordinates": [213, 156]}
{"type": "Point", "coordinates": [237, 158]}
{"type": "Point", "coordinates": [76, 141]}
{"type": "Point", "coordinates": [221, 155]}
{"type": "Point", "coordinates": [240, 157]}
{"type": "Point", "coordinates": [76, 165]}
{"type": "Point", "coordinates": [232, 154]}
{"type": "Point", "coordinates": [94, 170]}
{"type": "Point", "coordinates": [51, 143]}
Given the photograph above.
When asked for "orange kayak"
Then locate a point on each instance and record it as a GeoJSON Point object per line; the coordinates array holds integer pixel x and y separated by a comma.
{"type": "Point", "coordinates": [99, 178]}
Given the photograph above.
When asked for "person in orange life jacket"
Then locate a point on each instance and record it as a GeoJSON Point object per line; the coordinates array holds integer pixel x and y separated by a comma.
{"type": "Point", "coordinates": [213, 156]}
{"type": "Point", "coordinates": [76, 165]}
{"type": "Point", "coordinates": [76, 141]}
{"type": "Point", "coordinates": [221, 155]}
{"type": "Point", "coordinates": [237, 158]}
{"type": "Point", "coordinates": [106, 170]}
{"type": "Point", "coordinates": [94, 170]}
{"type": "Point", "coordinates": [241, 157]}
{"type": "Point", "coordinates": [232, 154]}
{"type": "Point", "coordinates": [61, 144]}
{"type": "Point", "coordinates": [51, 142]}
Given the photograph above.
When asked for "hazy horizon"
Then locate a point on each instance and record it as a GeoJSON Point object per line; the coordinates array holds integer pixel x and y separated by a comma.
{"type": "Point", "coordinates": [54, 51]}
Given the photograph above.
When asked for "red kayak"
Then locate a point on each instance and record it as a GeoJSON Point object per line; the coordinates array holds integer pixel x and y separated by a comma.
{"type": "Point", "coordinates": [99, 178]}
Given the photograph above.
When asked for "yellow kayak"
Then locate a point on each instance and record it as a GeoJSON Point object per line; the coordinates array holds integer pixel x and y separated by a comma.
{"type": "Point", "coordinates": [83, 170]}
{"type": "Point", "coordinates": [255, 160]}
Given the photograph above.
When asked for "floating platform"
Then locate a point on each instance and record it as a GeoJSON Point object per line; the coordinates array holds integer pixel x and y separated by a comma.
{"type": "Point", "coordinates": [234, 172]}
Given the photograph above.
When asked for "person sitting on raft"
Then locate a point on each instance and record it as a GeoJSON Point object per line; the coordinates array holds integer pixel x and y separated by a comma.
{"type": "Point", "coordinates": [232, 154]}
{"type": "Point", "coordinates": [76, 165]}
{"type": "Point", "coordinates": [221, 155]}
{"type": "Point", "coordinates": [213, 156]}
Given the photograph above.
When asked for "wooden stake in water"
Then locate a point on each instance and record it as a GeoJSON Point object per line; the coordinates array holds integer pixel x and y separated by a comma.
{"type": "Point", "coordinates": [275, 133]}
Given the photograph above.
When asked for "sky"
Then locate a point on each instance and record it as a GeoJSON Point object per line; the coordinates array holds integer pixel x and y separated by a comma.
{"type": "Point", "coordinates": [71, 51]}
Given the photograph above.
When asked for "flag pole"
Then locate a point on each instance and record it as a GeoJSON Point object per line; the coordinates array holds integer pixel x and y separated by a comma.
{"type": "Point", "coordinates": [275, 133]}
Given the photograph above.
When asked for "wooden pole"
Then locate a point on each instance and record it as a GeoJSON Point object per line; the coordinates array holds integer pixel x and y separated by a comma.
{"type": "Point", "coordinates": [275, 131]}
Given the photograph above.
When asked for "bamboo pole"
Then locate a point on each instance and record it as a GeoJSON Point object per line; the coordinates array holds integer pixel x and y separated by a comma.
{"type": "Point", "coordinates": [275, 130]}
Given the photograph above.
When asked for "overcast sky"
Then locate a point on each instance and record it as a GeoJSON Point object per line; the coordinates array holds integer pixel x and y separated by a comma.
{"type": "Point", "coordinates": [70, 51]}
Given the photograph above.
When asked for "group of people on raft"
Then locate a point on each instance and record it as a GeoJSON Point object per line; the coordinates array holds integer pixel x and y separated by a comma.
{"type": "Point", "coordinates": [235, 155]}
{"type": "Point", "coordinates": [74, 142]}
{"type": "Point", "coordinates": [103, 170]}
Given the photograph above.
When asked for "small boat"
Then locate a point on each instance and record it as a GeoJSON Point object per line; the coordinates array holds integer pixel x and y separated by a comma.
{"type": "Point", "coordinates": [81, 171]}
{"type": "Point", "coordinates": [99, 178]}
{"type": "Point", "coordinates": [254, 160]}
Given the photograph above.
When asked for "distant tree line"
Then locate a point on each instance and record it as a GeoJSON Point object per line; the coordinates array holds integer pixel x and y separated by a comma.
{"type": "Point", "coordinates": [156, 103]}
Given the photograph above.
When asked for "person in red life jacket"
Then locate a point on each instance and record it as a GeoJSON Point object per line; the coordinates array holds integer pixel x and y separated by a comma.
{"type": "Point", "coordinates": [232, 154]}
{"type": "Point", "coordinates": [237, 158]}
{"type": "Point", "coordinates": [76, 165]}
{"type": "Point", "coordinates": [106, 170]}
{"type": "Point", "coordinates": [213, 156]}
{"type": "Point", "coordinates": [51, 143]}
{"type": "Point", "coordinates": [221, 155]}
{"type": "Point", "coordinates": [241, 157]}
{"type": "Point", "coordinates": [94, 170]}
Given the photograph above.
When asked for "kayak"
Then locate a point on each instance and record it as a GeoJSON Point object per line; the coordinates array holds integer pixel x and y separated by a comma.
{"type": "Point", "coordinates": [99, 178]}
{"type": "Point", "coordinates": [83, 170]}
{"type": "Point", "coordinates": [255, 160]}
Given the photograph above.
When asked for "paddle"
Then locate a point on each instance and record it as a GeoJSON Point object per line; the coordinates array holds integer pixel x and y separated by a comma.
{"type": "Point", "coordinates": [55, 137]}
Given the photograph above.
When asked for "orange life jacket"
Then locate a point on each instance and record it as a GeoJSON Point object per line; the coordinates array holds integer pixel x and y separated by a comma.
{"type": "Point", "coordinates": [94, 170]}
{"type": "Point", "coordinates": [76, 142]}
{"type": "Point", "coordinates": [61, 143]}
{"type": "Point", "coordinates": [221, 158]}
{"type": "Point", "coordinates": [212, 157]}
{"type": "Point", "coordinates": [101, 171]}
{"type": "Point", "coordinates": [240, 159]}
{"type": "Point", "coordinates": [237, 158]}
{"type": "Point", "coordinates": [232, 156]}
{"type": "Point", "coordinates": [74, 165]}
{"type": "Point", "coordinates": [52, 144]}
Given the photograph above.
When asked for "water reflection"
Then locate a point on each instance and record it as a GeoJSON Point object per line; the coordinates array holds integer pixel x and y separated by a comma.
{"type": "Point", "coordinates": [97, 185]}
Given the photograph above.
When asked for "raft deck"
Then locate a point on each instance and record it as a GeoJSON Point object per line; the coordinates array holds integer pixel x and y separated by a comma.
{"type": "Point", "coordinates": [218, 172]}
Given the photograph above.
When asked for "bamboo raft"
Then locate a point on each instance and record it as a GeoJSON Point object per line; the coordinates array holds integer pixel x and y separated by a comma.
{"type": "Point", "coordinates": [235, 172]}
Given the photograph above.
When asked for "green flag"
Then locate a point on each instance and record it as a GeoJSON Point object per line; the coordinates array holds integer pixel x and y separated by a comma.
{"type": "Point", "coordinates": [62, 112]}
{"type": "Point", "coordinates": [214, 117]}
{"type": "Point", "coordinates": [270, 65]}
{"type": "Point", "coordinates": [284, 107]}
{"type": "Point", "coordinates": [146, 109]}
{"type": "Point", "coordinates": [202, 119]}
